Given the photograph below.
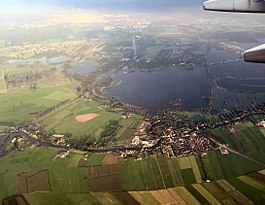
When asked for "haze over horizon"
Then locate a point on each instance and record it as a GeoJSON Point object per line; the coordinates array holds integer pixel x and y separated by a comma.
{"type": "Point", "coordinates": [108, 4]}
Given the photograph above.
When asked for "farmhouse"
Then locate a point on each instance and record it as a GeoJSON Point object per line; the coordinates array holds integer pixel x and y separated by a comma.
{"type": "Point", "coordinates": [58, 139]}
{"type": "Point", "coordinates": [261, 124]}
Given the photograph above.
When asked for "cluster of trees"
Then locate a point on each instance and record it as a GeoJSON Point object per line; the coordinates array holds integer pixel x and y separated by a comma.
{"type": "Point", "coordinates": [16, 80]}
{"type": "Point", "coordinates": [110, 129]}
{"type": "Point", "coordinates": [50, 109]}
{"type": "Point", "coordinates": [108, 133]}
{"type": "Point", "coordinates": [88, 140]}
{"type": "Point", "coordinates": [83, 142]}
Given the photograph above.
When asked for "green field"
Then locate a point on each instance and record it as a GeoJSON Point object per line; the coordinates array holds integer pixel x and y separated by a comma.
{"type": "Point", "coordinates": [226, 166]}
{"type": "Point", "coordinates": [12, 69]}
{"type": "Point", "coordinates": [196, 194]}
{"type": "Point", "coordinates": [19, 105]}
{"type": "Point", "coordinates": [262, 130]}
{"type": "Point", "coordinates": [146, 175]}
{"type": "Point", "coordinates": [2, 127]}
{"type": "Point", "coordinates": [63, 121]}
{"type": "Point", "coordinates": [65, 175]}
{"type": "Point", "coordinates": [2, 84]}
{"type": "Point", "coordinates": [62, 198]}
{"type": "Point", "coordinates": [219, 194]}
{"type": "Point", "coordinates": [252, 193]}
{"type": "Point", "coordinates": [187, 196]}
{"type": "Point", "coordinates": [68, 178]}
{"type": "Point", "coordinates": [248, 140]}
{"type": "Point", "coordinates": [93, 160]}
{"type": "Point", "coordinates": [206, 194]}
{"type": "Point", "coordinates": [252, 182]}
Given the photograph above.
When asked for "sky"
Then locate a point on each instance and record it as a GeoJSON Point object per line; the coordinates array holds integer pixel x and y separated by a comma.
{"type": "Point", "coordinates": [27, 10]}
{"type": "Point", "coordinates": [111, 4]}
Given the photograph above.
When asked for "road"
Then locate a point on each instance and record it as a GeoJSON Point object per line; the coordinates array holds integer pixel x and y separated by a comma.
{"type": "Point", "coordinates": [234, 151]}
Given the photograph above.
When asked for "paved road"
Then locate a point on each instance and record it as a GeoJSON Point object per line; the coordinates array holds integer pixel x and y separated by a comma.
{"type": "Point", "coordinates": [234, 151]}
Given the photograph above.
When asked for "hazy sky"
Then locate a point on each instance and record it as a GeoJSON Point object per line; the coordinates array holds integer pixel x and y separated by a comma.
{"type": "Point", "coordinates": [117, 4]}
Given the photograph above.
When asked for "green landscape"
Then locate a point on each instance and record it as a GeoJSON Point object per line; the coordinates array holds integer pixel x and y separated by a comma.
{"type": "Point", "coordinates": [65, 140]}
{"type": "Point", "coordinates": [20, 105]}
{"type": "Point", "coordinates": [68, 178]}
{"type": "Point", "coordinates": [63, 121]}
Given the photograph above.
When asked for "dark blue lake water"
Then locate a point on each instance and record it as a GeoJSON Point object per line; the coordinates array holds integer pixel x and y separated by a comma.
{"type": "Point", "coordinates": [155, 90]}
{"type": "Point", "coordinates": [249, 85]}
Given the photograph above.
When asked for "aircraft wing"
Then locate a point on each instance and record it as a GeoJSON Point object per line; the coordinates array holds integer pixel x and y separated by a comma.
{"type": "Point", "coordinates": [257, 54]}
{"type": "Point", "coordinates": [246, 6]}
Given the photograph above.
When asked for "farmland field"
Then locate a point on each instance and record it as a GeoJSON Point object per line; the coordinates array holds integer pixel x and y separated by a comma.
{"type": "Point", "coordinates": [253, 183]}
{"type": "Point", "coordinates": [142, 178]}
{"type": "Point", "coordinates": [146, 174]}
{"type": "Point", "coordinates": [248, 140]}
{"type": "Point", "coordinates": [206, 194]}
{"type": "Point", "coordinates": [106, 198]}
{"type": "Point", "coordinates": [61, 198]}
{"type": "Point", "coordinates": [201, 199]}
{"type": "Point", "coordinates": [188, 176]}
{"type": "Point", "coordinates": [258, 176]}
{"type": "Point", "coordinates": [104, 178]}
{"type": "Point", "coordinates": [21, 183]}
{"type": "Point", "coordinates": [144, 197]}
{"type": "Point", "coordinates": [262, 130]}
{"type": "Point", "coordinates": [127, 134]}
{"type": "Point", "coordinates": [255, 195]}
{"type": "Point", "coordinates": [2, 127]}
{"type": "Point", "coordinates": [140, 175]}
{"type": "Point", "coordinates": [20, 104]}
{"type": "Point", "coordinates": [125, 198]}
{"type": "Point", "coordinates": [168, 196]}
{"type": "Point", "coordinates": [15, 200]}
{"type": "Point", "coordinates": [218, 193]}
{"type": "Point", "coordinates": [2, 83]}
{"type": "Point", "coordinates": [64, 175]}
{"type": "Point", "coordinates": [187, 196]}
{"type": "Point", "coordinates": [236, 196]}
{"type": "Point", "coordinates": [111, 159]}
{"type": "Point", "coordinates": [93, 160]}
{"type": "Point", "coordinates": [64, 121]}
{"type": "Point", "coordinates": [222, 166]}
{"type": "Point", "coordinates": [39, 182]}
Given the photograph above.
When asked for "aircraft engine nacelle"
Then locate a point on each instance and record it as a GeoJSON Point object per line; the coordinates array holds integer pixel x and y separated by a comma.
{"type": "Point", "coordinates": [256, 55]}
{"type": "Point", "coordinates": [248, 6]}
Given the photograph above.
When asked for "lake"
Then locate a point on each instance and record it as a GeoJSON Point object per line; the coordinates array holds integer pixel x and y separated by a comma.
{"type": "Point", "coordinates": [248, 85]}
{"type": "Point", "coordinates": [156, 89]}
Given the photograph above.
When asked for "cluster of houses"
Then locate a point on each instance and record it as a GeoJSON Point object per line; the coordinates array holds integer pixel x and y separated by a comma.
{"type": "Point", "coordinates": [179, 146]}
